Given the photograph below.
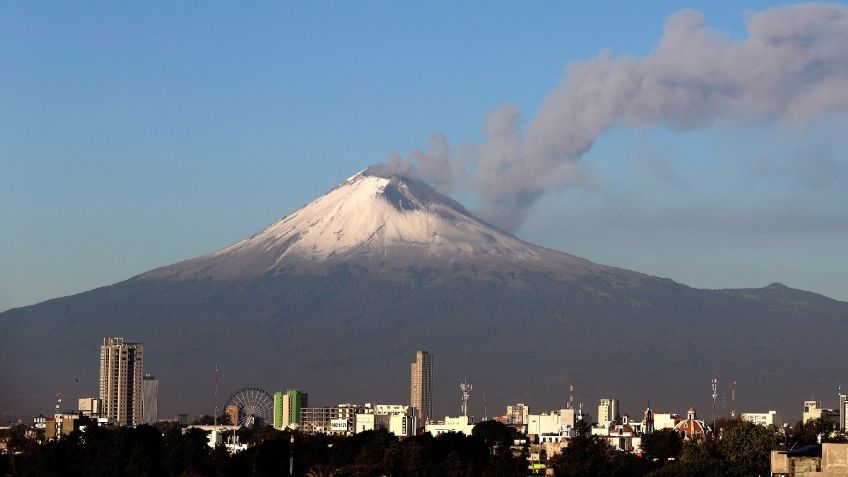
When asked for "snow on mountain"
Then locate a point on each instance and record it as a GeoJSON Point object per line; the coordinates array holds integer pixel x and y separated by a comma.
{"type": "Point", "coordinates": [374, 220]}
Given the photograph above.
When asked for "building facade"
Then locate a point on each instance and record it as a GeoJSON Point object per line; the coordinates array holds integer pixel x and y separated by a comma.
{"type": "Point", "coordinates": [150, 399]}
{"type": "Point", "coordinates": [607, 412]}
{"type": "Point", "coordinates": [337, 420]}
{"type": "Point", "coordinates": [760, 418]}
{"type": "Point", "coordinates": [121, 371]}
{"type": "Point", "coordinates": [517, 413]}
{"type": "Point", "coordinates": [89, 406]}
{"type": "Point", "coordinates": [421, 386]}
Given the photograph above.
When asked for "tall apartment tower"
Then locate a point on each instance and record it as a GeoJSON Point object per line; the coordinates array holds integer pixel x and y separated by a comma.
{"type": "Point", "coordinates": [607, 411]}
{"type": "Point", "coordinates": [421, 386]}
{"type": "Point", "coordinates": [121, 371]}
{"type": "Point", "coordinates": [287, 408]}
{"type": "Point", "coordinates": [150, 399]}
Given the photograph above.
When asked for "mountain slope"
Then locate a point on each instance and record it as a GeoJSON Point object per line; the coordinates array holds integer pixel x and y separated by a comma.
{"type": "Point", "coordinates": [336, 297]}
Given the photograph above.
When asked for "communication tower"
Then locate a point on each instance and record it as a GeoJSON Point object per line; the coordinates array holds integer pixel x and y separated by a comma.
{"type": "Point", "coordinates": [465, 389]}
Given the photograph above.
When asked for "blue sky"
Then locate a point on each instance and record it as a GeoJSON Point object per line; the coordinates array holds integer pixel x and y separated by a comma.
{"type": "Point", "coordinates": [136, 135]}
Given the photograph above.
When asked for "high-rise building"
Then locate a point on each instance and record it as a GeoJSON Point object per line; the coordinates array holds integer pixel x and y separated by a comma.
{"type": "Point", "coordinates": [121, 370]}
{"type": "Point", "coordinates": [287, 408]}
{"type": "Point", "coordinates": [517, 413]}
{"type": "Point", "coordinates": [421, 386]}
{"type": "Point", "coordinates": [607, 411]}
{"type": "Point", "coordinates": [150, 399]}
{"type": "Point", "coordinates": [278, 410]}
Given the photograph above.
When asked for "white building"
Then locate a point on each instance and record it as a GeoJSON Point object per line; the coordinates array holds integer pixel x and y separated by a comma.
{"type": "Point", "coordinates": [544, 427]}
{"type": "Point", "coordinates": [461, 424]}
{"type": "Point", "coordinates": [813, 410]}
{"type": "Point", "coordinates": [338, 420]}
{"type": "Point", "coordinates": [664, 421]}
{"type": "Point", "coordinates": [607, 412]}
{"type": "Point", "coordinates": [760, 418]}
{"type": "Point", "coordinates": [395, 418]}
{"type": "Point", "coordinates": [89, 406]}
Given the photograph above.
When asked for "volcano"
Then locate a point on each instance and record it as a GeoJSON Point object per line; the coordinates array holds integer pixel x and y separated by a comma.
{"type": "Point", "coordinates": [336, 297]}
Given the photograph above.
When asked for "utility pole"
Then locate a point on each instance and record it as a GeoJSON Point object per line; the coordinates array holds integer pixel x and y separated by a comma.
{"type": "Point", "coordinates": [291, 453]}
{"type": "Point", "coordinates": [715, 395]}
{"type": "Point", "coordinates": [215, 415]}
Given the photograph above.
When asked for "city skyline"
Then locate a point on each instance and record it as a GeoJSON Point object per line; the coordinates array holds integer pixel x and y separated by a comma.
{"type": "Point", "coordinates": [128, 407]}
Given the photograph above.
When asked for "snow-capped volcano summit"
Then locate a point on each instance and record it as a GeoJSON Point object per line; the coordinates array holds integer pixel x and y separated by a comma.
{"type": "Point", "coordinates": [376, 220]}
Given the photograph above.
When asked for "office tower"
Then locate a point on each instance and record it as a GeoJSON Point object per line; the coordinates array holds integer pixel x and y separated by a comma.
{"type": "Point", "coordinates": [150, 401]}
{"type": "Point", "coordinates": [121, 369]}
{"type": "Point", "coordinates": [421, 386]}
{"type": "Point", "coordinates": [607, 411]}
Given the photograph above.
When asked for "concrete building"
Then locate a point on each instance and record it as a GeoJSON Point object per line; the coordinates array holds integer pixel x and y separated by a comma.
{"type": "Point", "coordinates": [552, 426]}
{"type": "Point", "coordinates": [517, 413]}
{"type": "Point", "coordinates": [843, 411]}
{"type": "Point", "coordinates": [827, 460]}
{"type": "Point", "coordinates": [337, 420]}
{"type": "Point", "coordinates": [150, 399]}
{"type": "Point", "coordinates": [395, 418]}
{"type": "Point", "coordinates": [813, 410]}
{"type": "Point", "coordinates": [89, 406]}
{"type": "Point", "coordinates": [626, 436]}
{"type": "Point", "coordinates": [293, 402]}
{"type": "Point", "coordinates": [665, 421]}
{"type": "Point", "coordinates": [607, 412]}
{"type": "Point", "coordinates": [121, 371]}
{"type": "Point", "coordinates": [287, 408]}
{"type": "Point", "coordinates": [760, 418]}
{"type": "Point", "coordinates": [421, 386]}
{"type": "Point", "coordinates": [461, 424]}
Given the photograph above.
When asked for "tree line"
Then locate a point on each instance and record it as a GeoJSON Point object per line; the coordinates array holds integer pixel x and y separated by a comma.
{"type": "Point", "coordinates": [740, 449]}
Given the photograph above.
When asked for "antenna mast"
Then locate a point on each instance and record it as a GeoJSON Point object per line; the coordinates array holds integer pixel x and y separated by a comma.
{"type": "Point", "coordinates": [733, 399]}
{"type": "Point", "coordinates": [465, 389]}
{"type": "Point", "coordinates": [570, 396]}
{"type": "Point", "coordinates": [215, 415]}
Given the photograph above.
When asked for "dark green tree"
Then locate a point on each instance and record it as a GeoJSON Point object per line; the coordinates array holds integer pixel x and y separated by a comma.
{"type": "Point", "coordinates": [661, 446]}
{"type": "Point", "coordinates": [747, 446]}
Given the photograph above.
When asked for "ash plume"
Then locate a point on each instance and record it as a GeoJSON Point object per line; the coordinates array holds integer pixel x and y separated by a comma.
{"type": "Point", "coordinates": [791, 67]}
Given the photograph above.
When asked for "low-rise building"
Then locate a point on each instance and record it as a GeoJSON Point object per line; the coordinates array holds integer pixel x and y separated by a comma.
{"type": "Point", "coordinates": [336, 420]}
{"type": "Point", "coordinates": [461, 424]}
{"type": "Point", "coordinates": [760, 418]}
{"type": "Point", "coordinates": [395, 418]}
{"type": "Point", "coordinates": [813, 410]}
{"type": "Point", "coordinates": [826, 460]}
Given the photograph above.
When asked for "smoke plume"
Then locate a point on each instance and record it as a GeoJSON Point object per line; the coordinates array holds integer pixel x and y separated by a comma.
{"type": "Point", "coordinates": [792, 66]}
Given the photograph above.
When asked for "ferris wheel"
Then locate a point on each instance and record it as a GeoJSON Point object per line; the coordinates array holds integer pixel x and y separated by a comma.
{"type": "Point", "coordinates": [250, 407]}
